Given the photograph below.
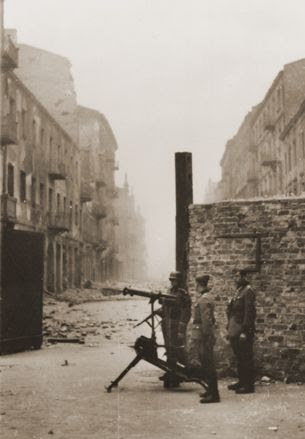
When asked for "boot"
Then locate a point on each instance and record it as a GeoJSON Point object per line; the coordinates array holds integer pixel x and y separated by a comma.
{"type": "Point", "coordinates": [212, 397]}
{"type": "Point", "coordinates": [235, 386]}
{"type": "Point", "coordinates": [164, 377]}
{"type": "Point", "coordinates": [171, 384]}
{"type": "Point", "coordinates": [245, 389]}
{"type": "Point", "coordinates": [205, 394]}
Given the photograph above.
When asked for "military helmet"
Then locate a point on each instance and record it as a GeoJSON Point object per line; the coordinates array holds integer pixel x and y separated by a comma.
{"type": "Point", "coordinates": [202, 279]}
{"type": "Point", "coordinates": [175, 275]}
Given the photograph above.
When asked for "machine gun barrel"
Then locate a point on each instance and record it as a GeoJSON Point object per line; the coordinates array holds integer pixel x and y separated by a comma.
{"type": "Point", "coordinates": [148, 294]}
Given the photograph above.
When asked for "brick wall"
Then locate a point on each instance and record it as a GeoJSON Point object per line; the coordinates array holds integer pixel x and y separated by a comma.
{"type": "Point", "coordinates": [279, 286]}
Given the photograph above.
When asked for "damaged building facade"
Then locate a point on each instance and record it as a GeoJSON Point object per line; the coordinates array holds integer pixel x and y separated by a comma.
{"type": "Point", "coordinates": [58, 169]}
{"type": "Point", "coordinates": [266, 157]}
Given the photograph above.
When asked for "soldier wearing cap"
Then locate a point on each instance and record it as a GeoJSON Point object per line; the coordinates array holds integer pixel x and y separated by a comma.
{"type": "Point", "coordinates": [241, 314]}
{"type": "Point", "coordinates": [175, 317]}
{"type": "Point", "coordinates": [201, 352]}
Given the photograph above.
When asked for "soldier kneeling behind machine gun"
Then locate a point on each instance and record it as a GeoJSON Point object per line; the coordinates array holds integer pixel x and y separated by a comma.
{"type": "Point", "coordinates": [175, 312]}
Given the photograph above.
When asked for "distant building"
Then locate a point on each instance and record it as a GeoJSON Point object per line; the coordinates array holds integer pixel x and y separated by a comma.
{"type": "Point", "coordinates": [131, 248]}
{"type": "Point", "coordinates": [265, 157]}
{"type": "Point", "coordinates": [98, 148]}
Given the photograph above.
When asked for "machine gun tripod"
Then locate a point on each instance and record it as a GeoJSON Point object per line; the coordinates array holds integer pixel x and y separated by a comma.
{"type": "Point", "coordinates": [147, 348]}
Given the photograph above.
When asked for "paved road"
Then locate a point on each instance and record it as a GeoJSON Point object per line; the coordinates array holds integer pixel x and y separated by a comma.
{"type": "Point", "coordinates": [42, 398]}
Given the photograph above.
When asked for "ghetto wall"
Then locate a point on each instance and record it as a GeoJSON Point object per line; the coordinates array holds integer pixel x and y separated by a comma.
{"type": "Point", "coordinates": [217, 245]}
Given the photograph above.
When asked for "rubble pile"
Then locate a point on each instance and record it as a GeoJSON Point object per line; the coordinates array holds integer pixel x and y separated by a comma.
{"type": "Point", "coordinates": [63, 320]}
{"type": "Point", "coordinates": [69, 322]}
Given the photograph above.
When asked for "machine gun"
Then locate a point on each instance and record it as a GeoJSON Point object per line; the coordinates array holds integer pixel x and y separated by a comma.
{"type": "Point", "coordinates": [148, 294]}
{"type": "Point", "coordinates": [147, 348]}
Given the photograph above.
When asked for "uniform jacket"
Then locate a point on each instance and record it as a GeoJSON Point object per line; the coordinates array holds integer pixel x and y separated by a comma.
{"type": "Point", "coordinates": [176, 315]}
{"type": "Point", "coordinates": [204, 320]}
{"type": "Point", "coordinates": [241, 312]}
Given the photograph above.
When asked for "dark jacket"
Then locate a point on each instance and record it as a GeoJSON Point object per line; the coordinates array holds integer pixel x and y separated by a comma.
{"type": "Point", "coordinates": [204, 320]}
{"type": "Point", "coordinates": [241, 312]}
{"type": "Point", "coordinates": [176, 315]}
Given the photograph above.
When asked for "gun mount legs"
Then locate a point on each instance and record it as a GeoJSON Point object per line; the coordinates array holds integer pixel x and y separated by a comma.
{"type": "Point", "coordinates": [132, 364]}
{"type": "Point", "coordinates": [146, 349]}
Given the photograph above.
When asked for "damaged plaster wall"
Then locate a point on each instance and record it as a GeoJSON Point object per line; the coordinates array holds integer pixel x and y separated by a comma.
{"type": "Point", "coordinates": [279, 286]}
{"type": "Point", "coordinates": [49, 77]}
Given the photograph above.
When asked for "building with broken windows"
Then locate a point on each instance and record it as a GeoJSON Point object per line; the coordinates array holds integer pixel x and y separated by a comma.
{"type": "Point", "coordinates": [57, 168]}
{"type": "Point", "coordinates": [266, 156]}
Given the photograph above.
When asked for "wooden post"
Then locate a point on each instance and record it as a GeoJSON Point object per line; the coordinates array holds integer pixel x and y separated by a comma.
{"type": "Point", "coordinates": [184, 197]}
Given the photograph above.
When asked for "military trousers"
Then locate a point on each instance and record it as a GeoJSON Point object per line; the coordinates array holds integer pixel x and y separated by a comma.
{"type": "Point", "coordinates": [202, 352]}
{"type": "Point", "coordinates": [175, 349]}
{"type": "Point", "coordinates": [243, 351]}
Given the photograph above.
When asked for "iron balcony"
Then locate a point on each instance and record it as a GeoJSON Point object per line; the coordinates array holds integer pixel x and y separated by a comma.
{"type": "Point", "coordinates": [8, 208]}
{"type": "Point", "coordinates": [58, 222]}
{"type": "Point", "coordinates": [100, 182]}
{"type": "Point", "coordinates": [57, 170]}
{"type": "Point", "coordinates": [268, 159]}
{"type": "Point", "coordinates": [8, 131]}
{"type": "Point", "coordinates": [252, 174]}
{"type": "Point", "coordinates": [99, 211]}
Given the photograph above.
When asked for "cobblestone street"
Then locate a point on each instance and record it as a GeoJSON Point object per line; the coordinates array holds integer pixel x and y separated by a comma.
{"type": "Point", "coordinates": [59, 391]}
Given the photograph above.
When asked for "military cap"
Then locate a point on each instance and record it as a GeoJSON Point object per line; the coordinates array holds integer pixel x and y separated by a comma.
{"type": "Point", "coordinates": [203, 279]}
{"type": "Point", "coordinates": [175, 275]}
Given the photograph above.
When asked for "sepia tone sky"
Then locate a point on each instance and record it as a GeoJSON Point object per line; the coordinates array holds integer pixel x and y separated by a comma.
{"type": "Point", "coordinates": [169, 75]}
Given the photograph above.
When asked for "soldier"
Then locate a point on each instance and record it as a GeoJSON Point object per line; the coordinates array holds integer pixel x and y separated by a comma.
{"type": "Point", "coordinates": [202, 343]}
{"type": "Point", "coordinates": [175, 317]}
{"type": "Point", "coordinates": [241, 327]}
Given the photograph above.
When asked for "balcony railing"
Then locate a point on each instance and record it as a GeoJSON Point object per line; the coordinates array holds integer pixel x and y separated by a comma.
{"type": "Point", "coordinates": [99, 211]}
{"type": "Point", "coordinates": [57, 170]}
{"type": "Point", "coordinates": [269, 124]}
{"type": "Point", "coordinates": [85, 192]}
{"type": "Point", "coordinates": [9, 54]}
{"type": "Point", "coordinates": [252, 173]}
{"type": "Point", "coordinates": [100, 182]}
{"type": "Point", "coordinates": [58, 222]}
{"type": "Point", "coordinates": [8, 208]}
{"type": "Point", "coordinates": [8, 131]}
{"type": "Point", "coordinates": [268, 159]}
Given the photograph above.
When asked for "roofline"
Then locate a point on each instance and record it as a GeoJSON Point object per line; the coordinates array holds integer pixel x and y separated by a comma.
{"type": "Point", "coordinates": [43, 109]}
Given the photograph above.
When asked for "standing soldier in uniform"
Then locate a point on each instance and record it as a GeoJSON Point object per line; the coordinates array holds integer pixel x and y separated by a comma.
{"type": "Point", "coordinates": [175, 317]}
{"type": "Point", "coordinates": [202, 343]}
{"type": "Point", "coordinates": [241, 327]}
